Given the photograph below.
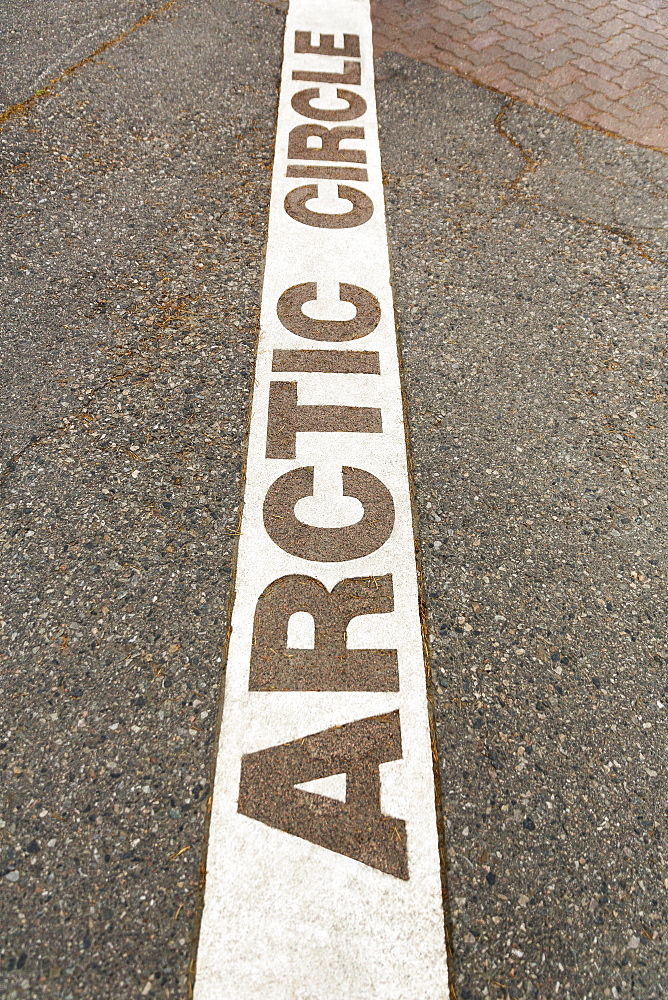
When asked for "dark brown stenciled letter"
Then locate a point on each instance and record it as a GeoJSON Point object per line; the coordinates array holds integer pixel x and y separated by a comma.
{"type": "Point", "coordinates": [292, 316]}
{"type": "Point", "coordinates": [361, 211]}
{"type": "Point", "coordinates": [356, 828]}
{"type": "Point", "coordinates": [327, 172]}
{"type": "Point", "coordinates": [302, 103]}
{"type": "Point", "coordinates": [351, 45]}
{"type": "Point", "coordinates": [287, 418]}
{"type": "Point", "coordinates": [328, 544]}
{"type": "Point", "coordinates": [329, 143]}
{"type": "Point", "coordinates": [330, 665]}
{"type": "Point", "coordinates": [351, 74]}
{"type": "Point", "coordinates": [311, 359]}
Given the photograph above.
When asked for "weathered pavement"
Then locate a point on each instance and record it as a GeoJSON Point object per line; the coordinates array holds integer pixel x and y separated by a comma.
{"type": "Point", "coordinates": [529, 260]}
{"type": "Point", "coordinates": [603, 63]}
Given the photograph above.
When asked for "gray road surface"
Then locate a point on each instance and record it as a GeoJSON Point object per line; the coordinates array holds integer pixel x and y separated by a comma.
{"type": "Point", "coordinates": [41, 40]}
{"type": "Point", "coordinates": [530, 272]}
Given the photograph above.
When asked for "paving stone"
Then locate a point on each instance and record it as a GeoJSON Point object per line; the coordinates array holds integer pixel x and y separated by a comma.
{"type": "Point", "coordinates": [608, 48]}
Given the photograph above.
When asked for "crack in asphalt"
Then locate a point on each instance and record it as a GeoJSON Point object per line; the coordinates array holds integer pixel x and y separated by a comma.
{"type": "Point", "coordinates": [139, 349]}
{"type": "Point", "coordinates": [35, 440]}
{"type": "Point", "coordinates": [25, 107]}
{"type": "Point", "coordinates": [530, 163]}
{"type": "Point", "coordinates": [530, 166]}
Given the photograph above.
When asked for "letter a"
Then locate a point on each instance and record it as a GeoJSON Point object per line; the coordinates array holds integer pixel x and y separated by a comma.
{"type": "Point", "coordinates": [356, 827]}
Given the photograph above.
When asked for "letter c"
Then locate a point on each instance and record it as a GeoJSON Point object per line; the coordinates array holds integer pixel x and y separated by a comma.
{"type": "Point", "coordinates": [361, 211]}
{"type": "Point", "coordinates": [328, 544]}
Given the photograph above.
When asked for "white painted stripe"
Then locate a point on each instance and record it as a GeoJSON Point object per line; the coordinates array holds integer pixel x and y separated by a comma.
{"type": "Point", "coordinates": [308, 897]}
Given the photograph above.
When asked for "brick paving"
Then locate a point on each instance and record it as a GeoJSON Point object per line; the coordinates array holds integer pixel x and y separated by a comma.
{"type": "Point", "coordinates": [602, 64]}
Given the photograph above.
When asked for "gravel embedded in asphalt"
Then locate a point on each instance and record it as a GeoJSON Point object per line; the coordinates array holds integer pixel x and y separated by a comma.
{"type": "Point", "coordinates": [135, 225]}
{"type": "Point", "coordinates": [40, 41]}
{"type": "Point", "coordinates": [529, 264]}
{"type": "Point", "coordinates": [530, 272]}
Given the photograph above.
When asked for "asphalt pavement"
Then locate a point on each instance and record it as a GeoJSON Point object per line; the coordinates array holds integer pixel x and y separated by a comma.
{"type": "Point", "coordinates": [529, 258]}
{"type": "Point", "coordinates": [530, 278]}
{"type": "Point", "coordinates": [136, 198]}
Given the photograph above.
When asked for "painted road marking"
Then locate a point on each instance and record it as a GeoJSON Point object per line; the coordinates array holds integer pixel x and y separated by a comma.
{"type": "Point", "coordinates": [324, 875]}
